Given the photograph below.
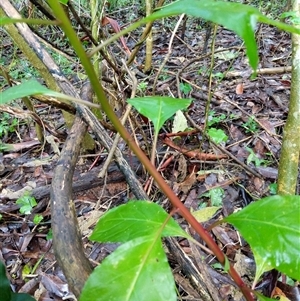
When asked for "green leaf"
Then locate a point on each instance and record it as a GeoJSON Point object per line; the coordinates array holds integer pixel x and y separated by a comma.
{"type": "Point", "coordinates": [237, 17]}
{"type": "Point", "coordinates": [271, 227]}
{"type": "Point", "coordinates": [5, 290]}
{"type": "Point", "coordinates": [262, 298]}
{"type": "Point", "coordinates": [273, 188]}
{"type": "Point", "coordinates": [217, 135]}
{"type": "Point", "coordinates": [227, 264]}
{"type": "Point", "coordinates": [27, 88]}
{"type": "Point", "coordinates": [216, 196]}
{"type": "Point", "coordinates": [33, 87]}
{"type": "Point", "coordinates": [205, 214]}
{"type": "Point", "coordinates": [137, 271]}
{"type": "Point", "coordinates": [132, 220]}
{"type": "Point", "coordinates": [26, 202]}
{"type": "Point", "coordinates": [159, 109]}
{"type": "Point", "coordinates": [21, 297]}
{"type": "Point", "coordinates": [37, 219]}
{"type": "Point", "coordinates": [185, 88]}
{"type": "Point", "coordinates": [49, 235]}
{"type": "Point", "coordinates": [4, 284]}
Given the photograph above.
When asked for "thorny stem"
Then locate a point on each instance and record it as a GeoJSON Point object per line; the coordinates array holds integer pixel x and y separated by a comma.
{"type": "Point", "coordinates": [66, 26]}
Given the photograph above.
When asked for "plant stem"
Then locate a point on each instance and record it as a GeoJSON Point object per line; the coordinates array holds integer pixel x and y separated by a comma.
{"type": "Point", "coordinates": [97, 87]}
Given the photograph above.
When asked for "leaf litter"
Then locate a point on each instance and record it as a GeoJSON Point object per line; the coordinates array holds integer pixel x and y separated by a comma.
{"type": "Point", "coordinates": [27, 166]}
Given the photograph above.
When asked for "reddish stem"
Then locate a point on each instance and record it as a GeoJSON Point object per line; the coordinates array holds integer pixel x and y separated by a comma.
{"type": "Point", "coordinates": [184, 211]}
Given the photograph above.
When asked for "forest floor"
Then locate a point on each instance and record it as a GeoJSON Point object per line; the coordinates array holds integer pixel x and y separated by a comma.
{"type": "Point", "coordinates": [249, 114]}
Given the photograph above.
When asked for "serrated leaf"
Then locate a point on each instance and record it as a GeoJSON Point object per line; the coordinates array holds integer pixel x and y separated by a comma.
{"type": "Point", "coordinates": [205, 214]}
{"type": "Point", "coordinates": [137, 271]}
{"type": "Point", "coordinates": [132, 220]}
{"type": "Point", "coordinates": [271, 227]}
{"type": "Point", "coordinates": [179, 123]}
{"type": "Point", "coordinates": [159, 109]}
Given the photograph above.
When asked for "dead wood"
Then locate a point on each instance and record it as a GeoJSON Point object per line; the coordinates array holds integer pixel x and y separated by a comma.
{"type": "Point", "coordinates": [202, 282]}
{"type": "Point", "coordinates": [107, 142]}
{"type": "Point", "coordinates": [67, 239]}
{"type": "Point", "coordinates": [90, 179]}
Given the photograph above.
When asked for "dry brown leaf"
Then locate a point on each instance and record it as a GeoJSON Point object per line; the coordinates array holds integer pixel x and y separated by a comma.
{"type": "Point", "coordinates": [239, 90]}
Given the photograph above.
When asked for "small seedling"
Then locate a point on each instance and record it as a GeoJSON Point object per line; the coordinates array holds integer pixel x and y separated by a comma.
{"type": "Point", "coordinates": [255, 159]}
{"type": "Point", "coordinates": [292, 15]}
{"type": "Point", "coordinates": [217, 266]}
{"type": "Point", "coordinates": [185, 88]}
{"type": "Point", "coordinates": [213, 119]}
{"type": "Point", "coordinates": [7, 124]}
{"type": "Point", "coordinates": [202, 71]}
{"type": "Point", "coordinates": [142, 87]}
{"type": "Point", "coordinates": [219, 75]}
{"type": "Point", "coordinates": [216, 135]}
{"type": "Point", "coordinates": [215, 195]}
{"type": "Point", "coordinates": [49, 235]}
{"type": "Point", "coordinates": [251, 125]}
{"type": "Point", "coordinates": [27, 203]}
{"type": "Point", "coordinates": [273, 188]}
{"type": "Point", "coordinates": [37, 219]}
{"type": "Point", "coordinates": [164, 76]}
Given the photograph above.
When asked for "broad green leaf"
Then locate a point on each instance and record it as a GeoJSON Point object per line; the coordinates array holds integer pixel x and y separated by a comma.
{"type": "Point", "coordinates": [272, 228]}
{"type": "Point", "coordinates": [159, 109]}
{"type": "Point", "coordinates": [33, 87]}
{"type": "Point", "coordinates": [5, 291]}
{"type": "Point", "coordinates": [21, 297]}
{"type": "Point", "coordinates": [180, 123]}
{"type": "Point", "coordinates": [217, 135]}
{"type": "Point", "coordinates": [237, 17]}
{"type": "Point", "coordinates": [262, 298]}
{"type": "Point", "coordinates": [204, 214]}
{"type": "Point", "coordinates": [132, 220]}
{"type": "Point", "coordinates": [262, 266]}
{"type": "Point", "coordinates": [136, 271]}
{"type": "Point", "coordinates": [4, 284]}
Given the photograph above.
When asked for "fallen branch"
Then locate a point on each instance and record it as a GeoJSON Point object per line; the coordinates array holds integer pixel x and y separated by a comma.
{"type": "Point", "coordinates": [194, 154]}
